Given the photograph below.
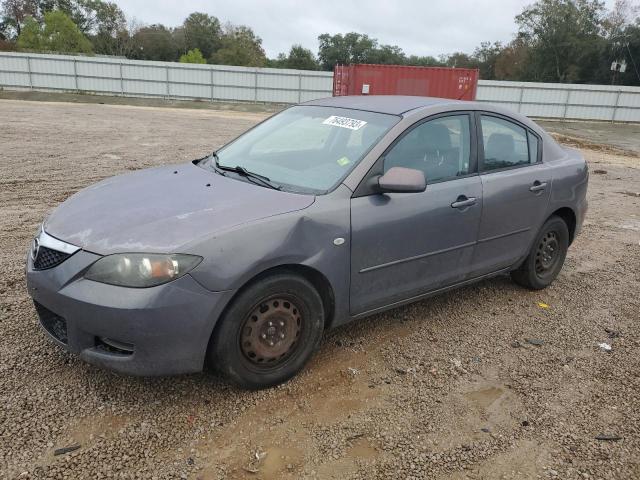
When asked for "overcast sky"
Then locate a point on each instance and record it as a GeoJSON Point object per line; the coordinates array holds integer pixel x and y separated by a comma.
{"type": "Point", "coordinates": [420, 27]}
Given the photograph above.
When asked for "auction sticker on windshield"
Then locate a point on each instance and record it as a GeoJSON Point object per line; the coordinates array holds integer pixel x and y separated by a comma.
{"type": "Point", "coordinates": [345, 122]}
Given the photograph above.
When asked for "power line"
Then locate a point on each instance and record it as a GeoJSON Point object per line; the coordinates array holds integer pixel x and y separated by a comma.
{"type": "Point", "coordinates": [635, 67]}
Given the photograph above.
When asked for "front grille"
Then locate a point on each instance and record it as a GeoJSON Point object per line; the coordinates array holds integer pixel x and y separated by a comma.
{"type": "Point", "coordinates": [52, 323]}
{"type": "Point", "coordinates": [48, 258]}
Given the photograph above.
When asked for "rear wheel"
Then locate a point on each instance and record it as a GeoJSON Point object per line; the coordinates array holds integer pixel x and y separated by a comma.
{"type": "Point", "coordinates": [269, 332]}
{"type": "Point", "coordinates": [545, 260]}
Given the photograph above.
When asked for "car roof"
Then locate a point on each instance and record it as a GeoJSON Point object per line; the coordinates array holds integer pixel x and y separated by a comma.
{"type": "Point", "coordinates": [390, 104]}
{"type": "Point", "coordinates": [404, 105]}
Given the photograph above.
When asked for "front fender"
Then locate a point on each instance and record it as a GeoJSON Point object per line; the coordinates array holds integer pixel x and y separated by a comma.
{"type": "Point", "coordinates": [305, 237]}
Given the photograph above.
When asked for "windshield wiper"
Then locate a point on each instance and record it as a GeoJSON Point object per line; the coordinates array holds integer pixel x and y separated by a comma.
{"type": "Point", "coordinates": [216, 165]}
{"type": "Point", "coordinates": [253, 177]}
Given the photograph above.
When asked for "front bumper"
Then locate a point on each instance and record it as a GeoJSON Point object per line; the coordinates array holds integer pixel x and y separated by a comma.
{"type": "Point", "coordinates": [162, 330]}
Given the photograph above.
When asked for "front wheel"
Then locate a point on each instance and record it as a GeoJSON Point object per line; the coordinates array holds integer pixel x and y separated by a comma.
{"type": "Point", "coordinates": [269, 332]}
{"type": "Point", "coordinates": [545, 260]}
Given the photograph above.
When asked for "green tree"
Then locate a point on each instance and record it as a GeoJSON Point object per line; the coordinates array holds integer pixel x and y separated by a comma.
{"type": "Point", "coordinates": [239, 45]}
{"type": "Point", "coordinates": [357, 48]}
{"type": "Point", "coordinates": [58, 34]}
{"type": "Point", "coordinates": [426, 61]}
{"type": "Point", "coordinates": [201, 31]}
{"type": "Point", "coordinates": [31, 36]}
{"type": "Point", "coordinates": [622, 32]}
{"type": "Point", "coordinates": [279, 62]}
{"type": "Point", "coordinates": [13, 15]}
{"type": "Point", "coordinates": [155, 42]}
{"type": "Point", "coordinates": [77, 10]}
{"type": "Point", "coordinates": [345, 49]}
{"type": "Point", "coordinates": [564, 38]}
{"type": "Point", "coordinates": [302, 59]}
{"type": "Point", "coordinates": [387, 55]}
{"type": "Point", "coordinates": [110, 35]}
{"type": "Point", "coordinates": [6, 46]}
{"type": "Point", "coordinates": [90, 16]}
{"type": "Point", "coordinates": [623, 14]}
{"type": "Point", "coordinates": [108, 18]}
{"type": "Point", "coordinates": [460, 60]}
{"type": "Point", "coordinates": [193, 56]}
{"type": "Point", "coordinates": [513, 61]}
{"type": "Point", "coordinates": [486, 56]}
{"type": "Point", "coordinates": [632, 41]}
{"type": "Point", "coordinates": [299, 58]}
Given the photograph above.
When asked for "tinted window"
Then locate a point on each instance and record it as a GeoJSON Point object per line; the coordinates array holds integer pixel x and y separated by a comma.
{"type": "Point", "coordinates": [533, 147]}
{"type": "Point", "coordinates": [505, 143]}
{"type": "Point", "coordinates": [440, 148]}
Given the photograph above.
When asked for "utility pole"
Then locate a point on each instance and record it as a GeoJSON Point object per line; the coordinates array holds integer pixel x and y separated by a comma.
{"type": "Point", "coordinates": [617, 67]}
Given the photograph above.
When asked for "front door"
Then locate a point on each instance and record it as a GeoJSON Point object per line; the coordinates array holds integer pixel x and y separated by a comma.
{"type": "Point", "coordinates": [405, 244]}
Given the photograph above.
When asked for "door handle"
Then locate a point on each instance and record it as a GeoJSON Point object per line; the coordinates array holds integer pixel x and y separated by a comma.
{"type": "Point", "coordinates": [462, 202]}
{"type": "Point", "coordinates": [538, 186]}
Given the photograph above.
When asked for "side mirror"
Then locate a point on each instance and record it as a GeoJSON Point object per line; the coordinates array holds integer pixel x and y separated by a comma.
{"type": "Point", "coordinates": [402, 180]}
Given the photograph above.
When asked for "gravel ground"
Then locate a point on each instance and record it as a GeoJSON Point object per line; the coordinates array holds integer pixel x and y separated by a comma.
{"type": "Point", "coordinates": [449, 388]}
{"type": "Point", "coordinates": [622, 136]}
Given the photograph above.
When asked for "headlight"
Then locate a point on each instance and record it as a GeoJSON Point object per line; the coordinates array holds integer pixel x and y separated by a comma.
{"type": "Point", "coordinates": [141, 269]}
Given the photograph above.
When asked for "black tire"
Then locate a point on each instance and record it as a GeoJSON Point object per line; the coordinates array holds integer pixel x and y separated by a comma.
{"type": "Point", "coordinates": [546, 257]}
{"type": "Point", "coordinates": [277, 313]}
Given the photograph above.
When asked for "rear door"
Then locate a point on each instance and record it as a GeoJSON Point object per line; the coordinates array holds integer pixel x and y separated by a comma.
{"type": "Point", "coordinates": [516, 185]}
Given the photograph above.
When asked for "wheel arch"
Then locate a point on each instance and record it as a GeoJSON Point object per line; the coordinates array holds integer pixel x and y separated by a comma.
{"type": "Point", "coordinates": [314, 276]}
{"type": "Point", "coordinates": [569, 216]}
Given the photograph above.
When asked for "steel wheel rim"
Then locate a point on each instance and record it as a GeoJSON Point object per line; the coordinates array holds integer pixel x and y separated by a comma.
{"type": "Point", "coordinates": [547, 253]}
{"type": "Point", "coordinates": [271, 331]}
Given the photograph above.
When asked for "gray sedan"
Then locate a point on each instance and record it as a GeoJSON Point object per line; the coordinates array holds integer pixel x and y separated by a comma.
{"type": "Point", "coordinates": [327, 212]}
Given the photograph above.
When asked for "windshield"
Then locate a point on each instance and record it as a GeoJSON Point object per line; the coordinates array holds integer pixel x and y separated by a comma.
{"type": "Point", "coordinates": [307, 149]}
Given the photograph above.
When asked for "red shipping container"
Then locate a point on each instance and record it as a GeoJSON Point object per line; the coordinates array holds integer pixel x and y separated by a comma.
{"type": "Point", "coordinates": [365, 79]}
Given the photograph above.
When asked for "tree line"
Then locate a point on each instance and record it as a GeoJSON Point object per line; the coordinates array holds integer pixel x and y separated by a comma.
{"type": "Point", "coordinates": [571, 41]}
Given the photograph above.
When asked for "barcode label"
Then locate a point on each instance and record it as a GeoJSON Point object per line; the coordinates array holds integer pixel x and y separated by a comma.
{"type": "Point", "coordinates": [344, 122]}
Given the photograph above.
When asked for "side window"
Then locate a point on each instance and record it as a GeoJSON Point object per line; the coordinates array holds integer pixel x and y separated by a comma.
{"type": "Point", "coordinates": [505, 143]}
{"type": "Point", "coordinates": [533, 147]}
{"type": "Point", "coordinates": [439, 147]}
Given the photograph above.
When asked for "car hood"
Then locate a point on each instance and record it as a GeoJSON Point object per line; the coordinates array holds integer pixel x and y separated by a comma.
{"type": "Point", "coordinates": [163, 210]}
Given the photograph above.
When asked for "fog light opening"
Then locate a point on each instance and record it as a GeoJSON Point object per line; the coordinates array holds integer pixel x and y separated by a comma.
{"type": "Point", "coordinates": [114, 346]}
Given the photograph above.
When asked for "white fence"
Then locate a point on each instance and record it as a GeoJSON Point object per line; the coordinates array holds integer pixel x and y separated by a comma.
{"type": "Point", "coordinates": [133, 78]}
{"type": "Point", "coordinates": [161, 79]}
{"type": "Point", "coordinates": [564, 101]}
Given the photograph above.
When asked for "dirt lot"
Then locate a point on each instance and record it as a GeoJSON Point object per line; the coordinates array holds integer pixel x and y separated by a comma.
{"type": "Point", "coordinates": [607, 135]}
{"type": "Point", "coordinates": [448, 388]}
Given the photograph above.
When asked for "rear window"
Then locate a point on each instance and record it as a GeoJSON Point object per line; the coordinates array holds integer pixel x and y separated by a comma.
{"type": "Point", "coordinates": [505, 143]}
{"type": "Point", "coordinates": [533, 147]}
